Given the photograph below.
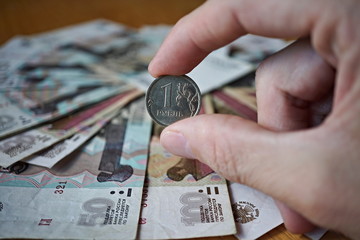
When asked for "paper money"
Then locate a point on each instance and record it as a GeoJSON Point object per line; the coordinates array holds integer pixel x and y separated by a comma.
{"type": "Point", "coordinates": [63, 79]}
{"type": "Point", "coordinates": [24, 109]}
{"type": "Point", "coordinates": [21, 49]}
{"type": "Point", "coordinates": [239, 101]}
{"type": "Point", "coordinates": [12, 56]}
{"type": "Point", "coordinates": [78, 32]}
{"type": "Point", "coordinates": [76, 200]}
{"type": "Point", "coordinates": [255, 213]}
{"type": "Point", "coordinates": [253, 48]}
{"type": "Point", "coordinates": [213, 72]}
{"type": "Point", "coordinates": [125, 54]}
{"type": "Point", "coordinates": [20, 146]}
{"type": "Point", "coordinates": [50, 156]}
{"type": "Point", "coordinates": [183, 198]}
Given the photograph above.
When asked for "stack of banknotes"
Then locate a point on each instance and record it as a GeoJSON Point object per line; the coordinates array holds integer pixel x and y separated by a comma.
{"type": "Point", "coordinates": [80, 157]}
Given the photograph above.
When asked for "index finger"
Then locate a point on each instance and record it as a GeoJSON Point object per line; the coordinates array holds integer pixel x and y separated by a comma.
{"type": "Point", "coordinates": [217, 23]}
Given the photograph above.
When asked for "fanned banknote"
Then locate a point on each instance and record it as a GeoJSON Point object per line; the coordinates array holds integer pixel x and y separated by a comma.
{"type": "Point", "coordinates": [78, 33]}
{"type": "Point", "coordinates": [125, 54]}
{"type": "Point", "coordinates": [20, 146]}
{"type": "Point", "coordinates": [253, 48]}
{"type": "Point", "coordinates": [21, 49]}
{"type": "Point", "coordinates": [12, 56]}
{"type": "Point", "coordinates": [52, 155]}
{"type": "Point", "coordinates": [239, 101]}
{"type": "Point", "coordinates": [93, 194]}
{"type": "Point", "coordinates": [24, 109]}
{"type": "Point", "coordinates": [183, 198]}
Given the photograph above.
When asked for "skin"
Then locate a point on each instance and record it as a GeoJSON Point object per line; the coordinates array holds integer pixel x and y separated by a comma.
{"type": "Point", "coordinates": [310, 166]}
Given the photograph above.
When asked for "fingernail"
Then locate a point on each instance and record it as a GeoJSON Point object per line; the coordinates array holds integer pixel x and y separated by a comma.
{"type": "Point", "coordinates": [176, 143]}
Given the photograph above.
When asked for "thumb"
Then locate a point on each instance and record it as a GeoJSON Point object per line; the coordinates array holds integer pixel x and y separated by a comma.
{"type": "Point", "coordinates": [243, 151]}
{"type": "Point", "coordinates": [223, 148]}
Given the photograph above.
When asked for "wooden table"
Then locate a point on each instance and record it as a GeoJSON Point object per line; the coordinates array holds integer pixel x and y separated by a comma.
{"type": "Point", "coordinates": [35, 16]}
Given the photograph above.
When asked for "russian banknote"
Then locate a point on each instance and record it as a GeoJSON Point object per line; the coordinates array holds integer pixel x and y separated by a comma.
{"type": "Point", "coordinates": [78, 32]}
{"type": "Point", "coordinates": [125, 54]}
{"type": "Point", "coordinates": [239, 101]}
{"type": "Point", "coordinates": [253, 48]}
{"type": "Point", "coordinates": [13, 54]}
{"type": "Point", "coordinates": [24, 109]}
{"type": "Point", "coordinates": [60, 77]}
{"type": "Point", "coordinates": [95, 193]}
{"type": "Point", "coordinates": [255, 213]}
{"type": "Point", "coordinates": [128, 53]}
{"type": "Point", "coordinates": [23, 145]}
{"type": "Point", "coordinates": [183, 198]}
{"type": "Point", "coordinates": [21, 49]}
{"type": "Point", "coordinates": [213, 72]}
{"type": "Point", "coordinates": [52, 155]}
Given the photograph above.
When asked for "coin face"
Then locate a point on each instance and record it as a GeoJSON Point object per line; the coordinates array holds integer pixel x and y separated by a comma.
{"type": "Point", "coordinates": [172, 98]}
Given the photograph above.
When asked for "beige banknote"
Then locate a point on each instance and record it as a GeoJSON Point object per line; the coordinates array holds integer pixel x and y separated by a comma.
{"type": "Point", "coordinates": [183, 198]}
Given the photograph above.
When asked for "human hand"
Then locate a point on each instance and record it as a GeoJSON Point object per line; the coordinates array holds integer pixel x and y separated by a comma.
{"type": "Point", "coordinates": [311, 169]}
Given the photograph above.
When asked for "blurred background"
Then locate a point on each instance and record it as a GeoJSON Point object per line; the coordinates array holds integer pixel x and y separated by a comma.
{"type": "Point", "coordinates": [35, 16]}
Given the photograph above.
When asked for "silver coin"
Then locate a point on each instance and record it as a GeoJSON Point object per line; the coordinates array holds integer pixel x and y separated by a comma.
{"type": "Point", "coordinates": [172, 98]}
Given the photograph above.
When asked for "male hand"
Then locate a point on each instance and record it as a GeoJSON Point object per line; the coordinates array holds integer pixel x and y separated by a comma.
{"type": "Point", "coordinates": [310, 165]}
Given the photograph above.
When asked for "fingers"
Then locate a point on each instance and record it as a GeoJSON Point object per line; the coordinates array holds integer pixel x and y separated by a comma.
{"type": "Point", "coordinates": [243, 151]}
{"type": "Point", "coordinates": [199, 138]}
{"type": "Point", "coordinates": [290, 85]}
{"type": "Point", "coordinates": [217, 23]}
{"type": "Point", "coordinates": [294, 222]}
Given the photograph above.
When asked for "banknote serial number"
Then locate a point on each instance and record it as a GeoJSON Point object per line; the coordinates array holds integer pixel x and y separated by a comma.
{"type": "Point", "coordinates": [59, 189]}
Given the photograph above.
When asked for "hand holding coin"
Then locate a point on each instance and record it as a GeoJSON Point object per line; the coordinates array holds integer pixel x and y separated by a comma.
{"type": "Point", "coordinates": [172, 98]}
